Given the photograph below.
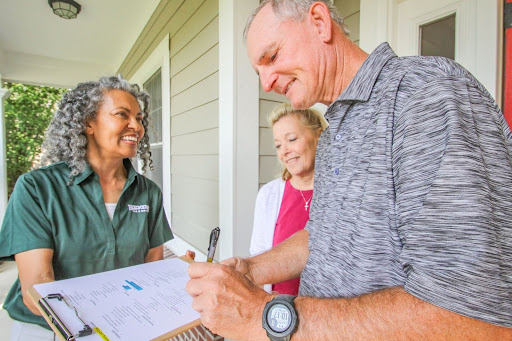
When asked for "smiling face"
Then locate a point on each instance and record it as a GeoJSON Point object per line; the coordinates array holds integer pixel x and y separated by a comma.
{"type": "Point", "coordinates": [117, 129]}
{"type": "Point", "coordinates": [284, 54]}
{"type": "Point", "coordinates": [295, 145]}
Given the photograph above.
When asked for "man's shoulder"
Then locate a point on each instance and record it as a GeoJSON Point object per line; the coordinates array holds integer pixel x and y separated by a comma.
{"type": "Point", "coordinates": [418, 77]}
{"type": "Point", "coordinates": [423, 69]}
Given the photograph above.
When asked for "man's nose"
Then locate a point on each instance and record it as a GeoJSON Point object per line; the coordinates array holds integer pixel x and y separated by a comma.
{"type": "Point", "coordinates": [268, 79]}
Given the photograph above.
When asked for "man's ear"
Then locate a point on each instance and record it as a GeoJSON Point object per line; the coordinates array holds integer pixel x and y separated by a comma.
{"type": "Point", "coordinates": [321, 17]}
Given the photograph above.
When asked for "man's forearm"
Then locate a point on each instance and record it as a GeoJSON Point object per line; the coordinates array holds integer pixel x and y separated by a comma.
{"type": "Point", "coordinates": [390, 314]}
{"type": "Point", "coordinates": [283, 262]}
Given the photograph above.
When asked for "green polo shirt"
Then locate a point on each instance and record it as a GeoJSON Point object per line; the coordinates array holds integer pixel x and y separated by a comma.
{"type": "Point", "coordinates": [44, 212]}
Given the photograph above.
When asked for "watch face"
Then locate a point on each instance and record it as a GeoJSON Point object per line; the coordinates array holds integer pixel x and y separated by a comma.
{"type": "Point", "coordinates": [279, 317]}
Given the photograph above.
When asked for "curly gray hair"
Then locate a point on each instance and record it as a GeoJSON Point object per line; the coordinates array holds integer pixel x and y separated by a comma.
{"type": "Point", "coordinates": [65, 138]}
{"type": "Point", "coordinates": [295, 10]}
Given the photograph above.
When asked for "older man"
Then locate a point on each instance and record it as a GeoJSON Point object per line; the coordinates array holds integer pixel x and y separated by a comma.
{"type": "Point", "coordinates": [410, 231]}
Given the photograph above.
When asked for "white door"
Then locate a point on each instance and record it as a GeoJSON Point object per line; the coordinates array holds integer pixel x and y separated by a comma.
{"type": "Point", "coordinates": [402, 23]}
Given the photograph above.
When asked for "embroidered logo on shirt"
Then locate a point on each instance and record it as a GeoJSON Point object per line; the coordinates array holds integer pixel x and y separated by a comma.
{"type": "Point", "coordinates": [138, 208]}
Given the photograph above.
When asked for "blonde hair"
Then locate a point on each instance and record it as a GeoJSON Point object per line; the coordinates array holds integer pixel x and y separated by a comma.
{"type": "Point", "coordinates": [310, 118]}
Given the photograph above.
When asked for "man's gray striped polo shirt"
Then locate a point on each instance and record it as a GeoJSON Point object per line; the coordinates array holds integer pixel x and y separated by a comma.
{"type": "Point", "coordinates": [413, 188]}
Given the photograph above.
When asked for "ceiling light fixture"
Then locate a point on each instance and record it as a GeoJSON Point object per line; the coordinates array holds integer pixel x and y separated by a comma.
{"type": "Point", "coordinates": [67, 9]}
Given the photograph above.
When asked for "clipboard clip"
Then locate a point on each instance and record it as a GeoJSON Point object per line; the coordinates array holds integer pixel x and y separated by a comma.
{"type": "Point", "coordinates": [56, 321]}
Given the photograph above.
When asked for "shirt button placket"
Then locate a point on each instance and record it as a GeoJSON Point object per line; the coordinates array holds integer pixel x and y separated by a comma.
{"type": "Point", "coordinates": [337, 138]}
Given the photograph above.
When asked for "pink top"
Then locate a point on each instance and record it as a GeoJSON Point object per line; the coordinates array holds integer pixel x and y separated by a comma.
{"type": "Point", "coordinates": [293, 216]}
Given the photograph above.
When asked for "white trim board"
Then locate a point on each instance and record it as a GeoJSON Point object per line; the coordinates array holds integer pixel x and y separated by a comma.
{"type": "Point", "coordinates": [159, 59]}
{"type": "Point", "coordinates": [238, 131]}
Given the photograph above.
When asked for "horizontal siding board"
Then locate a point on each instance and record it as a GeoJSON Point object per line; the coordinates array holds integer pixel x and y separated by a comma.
{"type": "Point", "coordinates": [201, 68]}
{"type": "Point", "coordinates": [199, 191]}
{"type": "Point", "coordinates": [272, 96]}
{"type": "Point", "coordinates": [201, 43]}
{"type": "Point", "coordinates": [195, 209]}
{"type": "Point", "coordinates": [267, 142]}
{"type": "Point", "coordinates": [163, 13]}
{"type": "Point", "coordinates": [265, 108]}
{"type": "Point", "coordinates": [353, 24]}
{"type": "Point", "coordinates": [198, 119]}
{"type": "Point", "coordinates": [347, 7]}
{"type": "Point", "coordinates": [204, 15]}
{"type": "Point", "coordinates": [196, 166]}
{"type": "Point", "coordinates": [171, 27]}
{"type": "Point", "coordinates": [269, 169]}
{"type": "Point", "coordinates": [200, 143]}
{"type": "Point", "coordinates": [193, 221]}
{"type": "Point", "coordinates": [201, 93]}
{"type": "Point", "coordinates": [190, 231]}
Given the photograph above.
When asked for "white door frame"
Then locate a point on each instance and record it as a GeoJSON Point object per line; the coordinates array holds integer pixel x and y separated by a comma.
{"type": "Point", "coordinates": [476, 32]}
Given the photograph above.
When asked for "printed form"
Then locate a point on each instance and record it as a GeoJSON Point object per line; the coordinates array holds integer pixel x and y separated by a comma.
{"type": "Point", "coordinates": [140, 302]}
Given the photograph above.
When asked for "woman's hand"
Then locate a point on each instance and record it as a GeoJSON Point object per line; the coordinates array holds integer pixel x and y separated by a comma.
{"type": "Point", "coordinates": [190, 255]}
{"type": "Point", "coordinates": [34, 267]}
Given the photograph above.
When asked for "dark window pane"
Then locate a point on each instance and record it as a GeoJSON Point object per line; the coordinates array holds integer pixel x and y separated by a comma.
{"type": "Point", "coordinates": [437, 38]}
{"type": "Point", "coordinates": [154, 87]}
{"type": "Point", "coordinates": [157, 174]}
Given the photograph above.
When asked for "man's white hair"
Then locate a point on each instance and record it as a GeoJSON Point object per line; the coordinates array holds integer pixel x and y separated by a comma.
{"type": "Point", "coordinates": [295, 10]}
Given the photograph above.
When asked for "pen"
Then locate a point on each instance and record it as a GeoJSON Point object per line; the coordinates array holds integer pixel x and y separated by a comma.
{"type": "Point", "coordinates": [214, 237]}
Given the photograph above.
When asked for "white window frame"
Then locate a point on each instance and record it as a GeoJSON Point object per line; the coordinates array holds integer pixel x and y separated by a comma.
{"type": "Point", "coordinates": [160, 59]}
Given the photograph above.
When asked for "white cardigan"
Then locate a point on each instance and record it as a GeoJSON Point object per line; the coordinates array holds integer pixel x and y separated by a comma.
{"type": "Point", "coordinates": [268, 204]}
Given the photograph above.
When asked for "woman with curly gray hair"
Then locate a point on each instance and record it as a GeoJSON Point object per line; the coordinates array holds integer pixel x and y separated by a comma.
{"type": "Point", "coordinates": [86, 209]}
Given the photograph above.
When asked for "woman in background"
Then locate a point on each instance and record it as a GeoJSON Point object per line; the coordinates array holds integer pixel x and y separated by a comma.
{"type": "Point", "coordinates": [282, 205]}
{"type": "Point", "coordinates": [87, 210]}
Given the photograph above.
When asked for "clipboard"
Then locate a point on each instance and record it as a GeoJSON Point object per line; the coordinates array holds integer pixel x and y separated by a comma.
{"type": "Point", "coordinates": [69, 323]}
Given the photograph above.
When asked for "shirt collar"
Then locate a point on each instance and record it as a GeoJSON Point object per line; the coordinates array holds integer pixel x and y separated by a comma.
{"type": "Point", "coordinates": [132, 173]}
{"type": "Point", "coordinates": [360, 88]}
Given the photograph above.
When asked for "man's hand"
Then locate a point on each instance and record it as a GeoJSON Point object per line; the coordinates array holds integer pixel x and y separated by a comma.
{"type": "Point", "coordinates": [241, 265]}
{"type": "Point", "coordinates": [229, 303]}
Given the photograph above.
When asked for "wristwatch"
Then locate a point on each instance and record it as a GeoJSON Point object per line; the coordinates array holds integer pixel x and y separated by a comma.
{"type": "Point", "coordinates": [280, 318]}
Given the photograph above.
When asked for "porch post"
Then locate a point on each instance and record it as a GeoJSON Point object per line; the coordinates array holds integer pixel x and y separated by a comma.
{"type": "Point", "coordinates": [238, 131]}
{"type": "Point", "coordinates": [4, 94]}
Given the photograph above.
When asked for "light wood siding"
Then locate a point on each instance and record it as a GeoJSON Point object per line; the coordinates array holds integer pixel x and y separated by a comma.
{"type": "Point", "coordinates": [193, 29]}
{"type": "Point", "coordinates": [269, 167]}
{"type": "Point", "coordinates": [350, 11]}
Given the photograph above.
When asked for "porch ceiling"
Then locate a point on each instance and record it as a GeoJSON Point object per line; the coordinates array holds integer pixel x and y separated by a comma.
{"type": "Point", "coordinates": [38, 47]}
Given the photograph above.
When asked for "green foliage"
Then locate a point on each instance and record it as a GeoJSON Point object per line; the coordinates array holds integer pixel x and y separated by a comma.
{"type": "Point", "coordinates": [28, 111]}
